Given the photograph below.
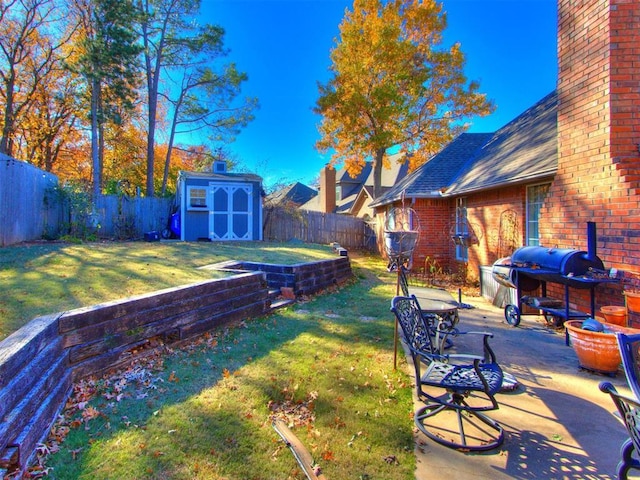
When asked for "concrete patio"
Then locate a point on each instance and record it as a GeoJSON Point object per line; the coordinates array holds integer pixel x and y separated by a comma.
{"type": "Point", "coordinates": [558, 425]}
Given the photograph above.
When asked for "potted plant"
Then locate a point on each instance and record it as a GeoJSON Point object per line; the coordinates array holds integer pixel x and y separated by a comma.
{"type": "Point", "coordinates": [632, 299]}
{"type": "Point", "coordinates": [596, 350]}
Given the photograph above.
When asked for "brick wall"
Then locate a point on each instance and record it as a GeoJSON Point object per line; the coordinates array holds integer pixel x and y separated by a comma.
{"type": "Point", "coordinates": [598, 132]}
{"type": "Point", "coordinates": [486, 213]}
{"type": "Point", "coordinates": [489, 214]}
{"type": "Point", "coordinates": [434, 244]}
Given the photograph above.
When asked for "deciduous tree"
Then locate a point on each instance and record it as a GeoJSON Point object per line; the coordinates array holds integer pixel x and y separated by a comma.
{"type": "Point", "coordinates": [28, 48]}
{"type": "Point", "coordinates": [205, 101]}
{"type": "Point", "coordinates": [199, 92]}
{"type": "Point", "coordinates": [109, 50]}
{"type": "Point", "coordinates": [394, 85]}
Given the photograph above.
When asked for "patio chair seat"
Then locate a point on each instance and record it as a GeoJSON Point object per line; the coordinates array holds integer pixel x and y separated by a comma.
{"type": "Point", "coordinates": [462, 378]}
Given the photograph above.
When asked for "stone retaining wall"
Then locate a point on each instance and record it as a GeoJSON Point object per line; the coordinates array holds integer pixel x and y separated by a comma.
{"type": "Point", "coordinates": [39, 362]}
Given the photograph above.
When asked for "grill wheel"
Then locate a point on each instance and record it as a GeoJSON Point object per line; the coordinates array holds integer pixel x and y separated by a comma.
{"type": "Point", "coordinates": [512, 315]}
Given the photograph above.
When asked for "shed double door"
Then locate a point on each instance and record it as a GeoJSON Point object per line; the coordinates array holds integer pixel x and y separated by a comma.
{"type": "Point", "coordinates": [231, 215]}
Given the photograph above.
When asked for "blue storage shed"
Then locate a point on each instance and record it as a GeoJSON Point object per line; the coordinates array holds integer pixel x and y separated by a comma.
{"type": "Point", "coordinates": [220, 205]}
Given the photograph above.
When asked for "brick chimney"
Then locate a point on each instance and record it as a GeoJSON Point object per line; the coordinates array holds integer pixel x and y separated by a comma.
{"type": "Point", "coordinates": [328, 189]}
{"type": "Point", "coordinates": [598, 174]}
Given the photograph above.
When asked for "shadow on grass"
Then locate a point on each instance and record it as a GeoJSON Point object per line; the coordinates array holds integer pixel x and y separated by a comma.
{"type": "Point", "coordinates": [206, 413]}
{"type": "Point", "coordinates": [44, 278]}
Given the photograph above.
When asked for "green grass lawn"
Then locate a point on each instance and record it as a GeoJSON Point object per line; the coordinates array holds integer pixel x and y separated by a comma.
{"type": "Point", "coordinates": [205, 411]}
{"type": "Point", "coordinates": [45, 278]}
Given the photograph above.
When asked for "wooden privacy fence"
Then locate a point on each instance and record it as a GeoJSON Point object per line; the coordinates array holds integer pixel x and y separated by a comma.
{"type": "Point", "coordinates": [123, 217]}
{"type": "Point", "coordinates": [30, 210]}
{"type": "Point", "coordinates": [27, 211]}
{"type": "Point", "coordinates": [282, 225]}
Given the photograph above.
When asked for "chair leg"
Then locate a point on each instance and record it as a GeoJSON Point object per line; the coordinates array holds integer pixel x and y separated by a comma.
{"type": "Point", "coordinates": [468, 430]}
{"type": "Point", "coordinates": [628, 462]}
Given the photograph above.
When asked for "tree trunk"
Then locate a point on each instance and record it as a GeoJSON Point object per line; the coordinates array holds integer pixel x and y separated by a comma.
{"type": "Point", "coordinates": [172, 134]}
{"type": "Point", "coordinates": [7, 129]}
{"type": "Point", "coordinates": [95, 158]}
{"type": "Point", "coordinates": [377, 173]}
{"type": "Point", "coordinates": [167, 160]}
{"type": "Point", "coordinates": [151, 148]}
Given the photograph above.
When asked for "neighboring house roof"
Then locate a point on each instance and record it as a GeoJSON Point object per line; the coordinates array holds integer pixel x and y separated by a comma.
{"type": "Point", "coordinates": [390, 176]}
{"type": "Point", "coordinates": [522, 151]}
{"type": "Point", "coordinates": [296, 193]}
{"type": "Point", "coordinates": [352, 188]}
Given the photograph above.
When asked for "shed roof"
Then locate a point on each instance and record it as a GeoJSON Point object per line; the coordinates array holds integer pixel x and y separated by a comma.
{"type": "Point", "coordinates": [228, 176]}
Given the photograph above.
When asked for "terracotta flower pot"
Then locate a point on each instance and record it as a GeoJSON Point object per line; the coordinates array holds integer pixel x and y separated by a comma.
{"type": "Point", "coordinates": [633, 300]}
{"type": "Point", "coordinates": [597, 351]}
{"type": "Point", "coordinates": [615, 315]}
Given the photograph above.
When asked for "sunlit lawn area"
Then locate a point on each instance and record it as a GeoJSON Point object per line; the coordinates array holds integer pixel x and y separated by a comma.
{"type": "Point", "coordinates": [44, 278]}
{"type": "Point", "coordinates": [206, 410]}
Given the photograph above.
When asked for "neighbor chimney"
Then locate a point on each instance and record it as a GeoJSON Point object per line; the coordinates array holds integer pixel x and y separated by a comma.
{"type": "Point", "coordinates": [328, 189]}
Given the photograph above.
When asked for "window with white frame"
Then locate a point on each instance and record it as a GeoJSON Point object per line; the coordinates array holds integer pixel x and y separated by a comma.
{"type": "Point", "coordinates": [536, 195]}
{"type": "Point", "coordinates": [197, 198]}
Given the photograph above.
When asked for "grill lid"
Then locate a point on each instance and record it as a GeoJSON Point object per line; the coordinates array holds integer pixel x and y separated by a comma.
{"type": "Point", "coordinates": [562, 261]}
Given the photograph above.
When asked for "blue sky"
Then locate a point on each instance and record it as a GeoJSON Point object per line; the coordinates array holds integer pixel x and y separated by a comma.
{"type": "Point", "coordinates": [284, 46]}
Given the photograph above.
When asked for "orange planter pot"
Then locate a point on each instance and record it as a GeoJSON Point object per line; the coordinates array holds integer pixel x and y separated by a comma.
{"type": "Point", "coordinates": [597, 351]}
{"type": "Point", "coordinates": [633, 300]}
{"type": "Point", "coordinates": [614, 314]}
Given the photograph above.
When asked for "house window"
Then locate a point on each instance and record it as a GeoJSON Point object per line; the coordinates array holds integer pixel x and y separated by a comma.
{"type": "Point", "coordinates": [536, 195]}
{"type": "Point", "coordinates": [462, 228]}
{"type": "Point", "coordinates": [197, 198]}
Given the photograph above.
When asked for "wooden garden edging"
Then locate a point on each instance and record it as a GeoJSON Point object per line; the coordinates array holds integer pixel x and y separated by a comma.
{"type": "Point", "coordinates": [40, 362]}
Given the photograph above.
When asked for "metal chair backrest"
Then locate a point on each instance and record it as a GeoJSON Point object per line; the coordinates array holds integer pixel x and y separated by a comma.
{"type": "Point", "coordinates": [629, 410]}
{"type": "Point", "coordinates": [629, 346]}
{"type": "Point", "coordinates": [415, 329]}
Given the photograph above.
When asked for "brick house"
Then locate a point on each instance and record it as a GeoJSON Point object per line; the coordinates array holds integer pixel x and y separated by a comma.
{"type": "Point", "coordinates": [593, 176]}
{"type": "Point", "coordinates": [480, 187]}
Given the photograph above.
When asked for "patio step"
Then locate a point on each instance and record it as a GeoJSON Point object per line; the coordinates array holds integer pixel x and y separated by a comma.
{"type": "Point", "coordinates": [281, 303]}
{"type": "Point", "coordinates": [278, 301]}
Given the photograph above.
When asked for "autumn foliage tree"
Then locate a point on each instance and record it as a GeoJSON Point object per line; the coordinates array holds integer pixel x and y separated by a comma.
{"type": "Point", "coordinates": [72, 92]}
{"type": "Point", "coordinates": [28, 55]}
{"type": "Point", "coordinates": [108, 52]}
{"type": "Point", "coordinates": [394, 85]}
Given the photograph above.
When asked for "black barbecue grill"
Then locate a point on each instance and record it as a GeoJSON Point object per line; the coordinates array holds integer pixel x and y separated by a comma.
{"type": "Point", "coordinates": [529, 268]}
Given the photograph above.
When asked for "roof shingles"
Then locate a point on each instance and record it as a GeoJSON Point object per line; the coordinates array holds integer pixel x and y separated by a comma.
{"type": "Point", "coordinates": [524, 150]}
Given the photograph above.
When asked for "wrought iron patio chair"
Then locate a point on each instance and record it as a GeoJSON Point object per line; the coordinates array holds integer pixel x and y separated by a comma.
{"type": "Point", "coordinates": [467, 385]}
{"type": "Point", "coordinates": [629, 346]}
{"type": "Point", "coordinates": [444, 316]}
{"type": "Point", "coordinates": [629, 408]}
